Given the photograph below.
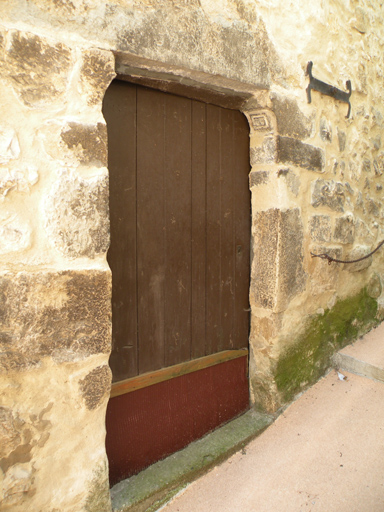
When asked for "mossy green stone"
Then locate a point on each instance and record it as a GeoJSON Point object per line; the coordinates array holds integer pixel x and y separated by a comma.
{"type": "Point", "coordinates": [307, 359]}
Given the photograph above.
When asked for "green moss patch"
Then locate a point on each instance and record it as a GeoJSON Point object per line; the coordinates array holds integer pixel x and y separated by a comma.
{"type": "Point", "coordinates": [307, 359]}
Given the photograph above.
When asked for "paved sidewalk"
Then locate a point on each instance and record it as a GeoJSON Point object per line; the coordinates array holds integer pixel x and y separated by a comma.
{"type": "Point", "coordinates": [324, 453]}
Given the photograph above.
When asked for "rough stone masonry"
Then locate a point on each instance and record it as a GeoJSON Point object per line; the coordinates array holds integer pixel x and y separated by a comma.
{"type": "Point", "coordinates": [316, 181]}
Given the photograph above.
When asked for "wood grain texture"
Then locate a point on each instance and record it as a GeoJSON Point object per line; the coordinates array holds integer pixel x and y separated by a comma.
{"type": "Point", "coordinates": [149, 379]}
{"type": "Point", "coordinates": [180, 228]}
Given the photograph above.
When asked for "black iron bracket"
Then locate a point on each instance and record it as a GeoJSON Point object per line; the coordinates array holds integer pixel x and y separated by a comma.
{"type": "Point", "coordinates": [329, 90]}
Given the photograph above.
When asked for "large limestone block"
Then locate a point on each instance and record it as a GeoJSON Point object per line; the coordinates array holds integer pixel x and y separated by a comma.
{"type": "Point", "coordinates": [291, 122]}
{"type": "Point", "coordinates": [55, 340]}
{"type": "Point", "coordinates": [229, 40]}
{"type": "Point", "coordinates": [277, 266]}
{"type": "Point", "coordinates": [37, 68]}
{"type": "Point", "coordinates": [64, 316]}
{"type": "Point", "coordinates": [77, 215]}
{"type": "Point", "coordinates": [52, 454]}
{"type": "Point", "coordinates": [294, 151]}
{"type": "Point", "coordinates": [75, 144]}
{"type": "Point", "coordinates": [97, 71]}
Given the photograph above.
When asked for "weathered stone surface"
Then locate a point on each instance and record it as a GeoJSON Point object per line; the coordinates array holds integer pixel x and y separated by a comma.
{"type": "Point", "coordinates": [38, 69]}
{"type": "Point", "coordinates": [9, 432]}
{"type": "Point", "coordinates": [201, 35]}
{"type": "Point", "coordinates": [376, 142]}
{"type": "Point", "coordinates": [344, 232]}
{"type": "Point", "coordinates": [359, 204]}
{"type": "Point", "coordinates": [325, 130]}
{"type": "Point", "coordinates": [77, 216]}
{"type": "Point", "coordinates": [15, 234]}
{"type": "Point", "coordinates": [291, 271]}
{"type": "Point", "coordinates": [300, 154]}
{"type": "Point", "coordinates": [97, 72]}
{"type": "Point", "coordinates": [16, 179]}
{"type": "Point", "coordinates": [324, 277]}
{"type": "Point", "coordinates": [230, 40]}
{"type": "Point", "coordinates": [328, 193]}
{"type": "Point", "coordinates": [358, 252]}
{"type": "Point", "coordinates": [87, 142]}
{"type": "Point", "coordinates": [261, 121]}
{"type": "Point", "coordinates": [342, 139]}
{"type": "Point", "coordinates": [374, 287]}
{"type": "Point", "coordinates": [366, 165]}
{"type": "Point", "coordinates": [16, 486]}
{"type": "Point", "coordinates": [348, 188]}
{"type": "Point", "coordinates": [354, 170]}
{"type": "Point", "coordinates": [362, 232]}
{"type": "Point", "coordinates": [96, 386]}
{"type": "Point", "coordinates": [264, 392]}
{"type": "Point", "coordinates": [291, 122]}
{"type": "Point", "coordinates": [265, 250]}
{"type": "Point", "coordinates": [320, 228]}
{"type": "Point", "coordinates": [378, 165]}
{"type": "Point", "coordinates": [98, 499]}
{"type": "Point", "coordinates": [9, 144]}
{"type": "Point", "coordinates": [19, 436]}
{"type": "Point", "coordinates": [292, 180]}
{"type": "Point", "coordinates": [258, 178]}
{"type": "Point", "coordinates": [62, 315]}
{"type": "Point", "coordinates": [264, 154]}
{"type": "Point", "coordinates": [308, 356]}
{"type": "Point", "coordinates": [361, 21]}
{"type": "Point", "coordinates": [266, 329]}
{"type": "Point", "coordinates": [373, 207]}
{"type": "Point", "coordinates": [277, 267]}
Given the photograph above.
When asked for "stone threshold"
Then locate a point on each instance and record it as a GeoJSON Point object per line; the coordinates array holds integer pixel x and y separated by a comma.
{"type": "Point", "coordinates": [156, 485]}
{"type": "Point", "coordinates": [364, 357]}
{"type": "Point", "coordinates": [358, 367]}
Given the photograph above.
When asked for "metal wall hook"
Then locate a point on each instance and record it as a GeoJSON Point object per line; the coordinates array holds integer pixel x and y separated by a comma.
{"type": "Point", "coordinates": [329, 90]}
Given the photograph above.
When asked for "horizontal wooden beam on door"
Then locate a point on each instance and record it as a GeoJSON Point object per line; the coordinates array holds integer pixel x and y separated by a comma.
{"type": "Point", "coordinates": [150, 378]}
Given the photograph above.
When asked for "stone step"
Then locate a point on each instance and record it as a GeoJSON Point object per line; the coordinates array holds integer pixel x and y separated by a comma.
{"type": "Point", "coordinates": [353, 365]}
{"type": "Point", "coordinates": [154, 486]}
{"type": "Point", "coordinates": [365, 357]}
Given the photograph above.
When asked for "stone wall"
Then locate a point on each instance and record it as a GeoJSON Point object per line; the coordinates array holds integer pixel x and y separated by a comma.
{"type": "Point", "coordinates": [54, 282]}
{"type": "Point", "coordinates": [316, 186]}
{"type": "Point", "coordinates": [316, 182]}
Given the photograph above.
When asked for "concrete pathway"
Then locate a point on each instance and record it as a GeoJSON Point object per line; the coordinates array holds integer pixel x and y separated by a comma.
{"type": "Point", "coordinates": [324, 453]}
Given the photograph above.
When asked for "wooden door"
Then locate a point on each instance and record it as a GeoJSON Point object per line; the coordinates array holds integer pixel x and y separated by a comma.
{"type": "Point", "coordinates": [179, 254]}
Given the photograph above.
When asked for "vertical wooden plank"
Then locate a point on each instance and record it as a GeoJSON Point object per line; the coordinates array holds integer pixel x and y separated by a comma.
{"type": "Point", "coordinates": [193, 228]}
{"type": "Point", "coordinates": [178, 229]}
{"type": "Point", "coordinates": [242, 202]}
{"type": "Point", "coordinates": [119, 110]}
{"type": "Point", "coordinates": [213, 230]}
{"type": "Point", "coordinates": [227, 249]}
{"type": "Point", "coordinates": [150, 228]}
{"type": "Point", "coordinates": [198, 242]}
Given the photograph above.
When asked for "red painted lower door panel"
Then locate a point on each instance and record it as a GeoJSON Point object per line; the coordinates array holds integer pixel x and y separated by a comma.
{"type": "Point", "coordinates": [148, 424]}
